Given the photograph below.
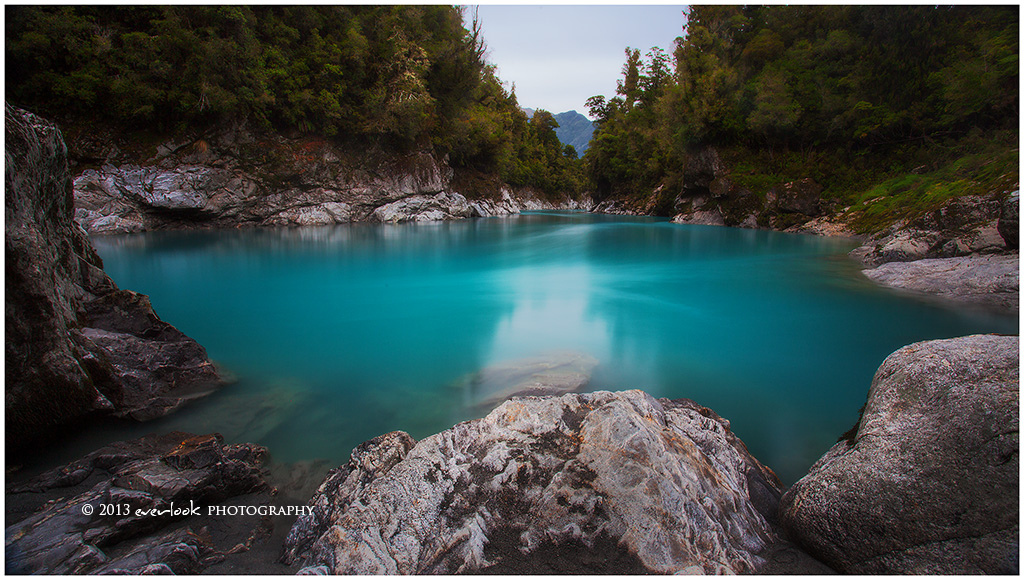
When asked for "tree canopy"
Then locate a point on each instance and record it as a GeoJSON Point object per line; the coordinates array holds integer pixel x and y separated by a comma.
{"type": "Point", "coordinates": [407, 76]}
{"type": "Point", "coordinates": [858, 79]}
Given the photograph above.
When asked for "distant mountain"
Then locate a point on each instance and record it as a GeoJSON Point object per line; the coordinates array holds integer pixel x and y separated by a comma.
{"type": "Point", "coordinates": [574, 129]}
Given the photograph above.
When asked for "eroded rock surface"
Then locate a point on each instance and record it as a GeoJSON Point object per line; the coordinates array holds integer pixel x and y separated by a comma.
{"type": "Point", "coordinates": [76, 345]}
{"type": "Point", "coordinates": [987, 280]}
{"type": "Point", "coordinates": [238, 177]}
{"type": "Point", "coordinates": [651, 485]}
{"type": "Point", "coordinates": [963, 226]}
{"type": "Point", "coordinates": [63, 525]}
{"type": "Point", "coordinates": [929, 483]}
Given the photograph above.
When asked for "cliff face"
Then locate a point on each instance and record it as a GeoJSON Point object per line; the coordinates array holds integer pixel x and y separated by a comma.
{"type": "Point", "coordinates": [76, 345]}
{"type": "Point", "coordinates": [237, 177]}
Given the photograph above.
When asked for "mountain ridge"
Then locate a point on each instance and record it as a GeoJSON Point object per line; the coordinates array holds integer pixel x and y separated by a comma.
{"type": "Point", "coordinates": [573, 128]}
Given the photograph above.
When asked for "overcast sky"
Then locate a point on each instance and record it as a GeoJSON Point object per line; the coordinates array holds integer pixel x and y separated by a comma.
{"type": "Point", "coordinates": [559, 56]}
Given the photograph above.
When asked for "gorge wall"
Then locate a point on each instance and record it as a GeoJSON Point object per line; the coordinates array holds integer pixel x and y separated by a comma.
{"type": "Point", "coordinates": [76, 345]}
{"type": "Point", "coordinates": [234, 176]}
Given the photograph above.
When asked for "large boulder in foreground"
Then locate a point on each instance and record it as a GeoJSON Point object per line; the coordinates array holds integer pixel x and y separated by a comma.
{"type": "Point", "coordinates": [598, 482]}
{"type": "Point", "coordinates": [929, 483]}
{"type": "Point", "coordinates": [75, 344]}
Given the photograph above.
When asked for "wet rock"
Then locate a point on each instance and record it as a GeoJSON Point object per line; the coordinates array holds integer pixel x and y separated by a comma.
{"type": "Point", "coordinates": [133, 507]}
{"type": "Point", "coordinates": [711, 217]}
{"type": "Point", "coordinates": [72, 336]}
{"type": "Point", "coordinates": [652, 485]}
{"type": "Point", "coordinates": [929, 483]}
{"type": "Point", "coordinates": [424, 208]}
{"type": "Point", "coordinates": [987, 280]}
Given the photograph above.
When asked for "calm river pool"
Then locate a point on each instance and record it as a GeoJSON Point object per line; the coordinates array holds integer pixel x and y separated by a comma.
{"type": "Point", "coordinates": [338, 334]}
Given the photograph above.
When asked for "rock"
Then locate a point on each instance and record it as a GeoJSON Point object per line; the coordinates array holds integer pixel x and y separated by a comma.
{"type": "Point", "coordinates": [929, 483]}
{"type": "Point", "coordinates": [424, 208]}
{"type": "Point", "coordinates": [700, 217]}
{"type": "Point", "coordinates": [963, 226]}
{"type": "Point", "coordinates": [650, 485]}
{"type": "Point", "coordinates": [825, 226]}
{"type": "Point", "coordinates": [960, 214]}
{"type": "Point", "coordinates": [321, 214]}
{"type": "Point", "coordinates": [76, 346]}
{"type": "Point", "coordinates": [46, 383]}
{"type": "Point", "coordinates": [803, 197]}
{"type": "Point", "coordinates": [1009, 220]}
{"type": "Point", "coordinates": [161, 487]}
{"type": "Point", "coordinates": [237, 177]}
{"type": "Point", "coordinates": [987, 280]}
{"type": "Point", "coordinates": [703, 167]}
{"type": "Point", "coordinates": [553, 373]}
{"type": "Point", "coordinates": [905, 245]}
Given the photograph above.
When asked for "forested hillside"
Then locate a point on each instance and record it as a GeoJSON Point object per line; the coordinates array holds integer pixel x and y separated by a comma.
{"type": "Point", "coordinates": [403, 77]}
{"type": "Point", "coordinates": [913, 104]}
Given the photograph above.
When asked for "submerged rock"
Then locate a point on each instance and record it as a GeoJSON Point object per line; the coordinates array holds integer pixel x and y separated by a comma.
{"type": "Point", "coordinates": [590, 480]}
{"type": "Point", "coordinates": [111, 511]}
{"type": "Point", "coordinates": [987, 280]}
{"type": "Point", "coordinates": [76, 346]}
{"type": "Point", "coordinates": [553, 373]}
{"type": "Point", "coordinates": [929, 482]}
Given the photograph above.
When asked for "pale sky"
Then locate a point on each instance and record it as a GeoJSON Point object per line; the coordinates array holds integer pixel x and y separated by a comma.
{"type": "Point", "coordinates": [559, 56]}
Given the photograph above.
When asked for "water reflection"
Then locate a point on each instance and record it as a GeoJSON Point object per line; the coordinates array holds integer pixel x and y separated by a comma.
{"type": "Point", "coordinates": [340, 333]}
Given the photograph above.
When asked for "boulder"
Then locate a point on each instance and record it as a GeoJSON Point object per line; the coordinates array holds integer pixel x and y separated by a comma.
{"type": "Point", "coordinates": [1009, 220]}
{"type": "Point", "coordinates": [961, 227]}
{"type": "Point", "coordinates": [424, 208]}
{"type": "Point", "coordinates": [76, 346]}
{"type": "Point", "coordinates": [161, 488]}
{"type": "Point", "coordinates": [986, 280]}
{"type": "Point", "coordinates": [46, 381]}
{"type": "Point", "coordinates": [929, 482]}
{"type": "Point", "coordinates": [802, 197]}
{"type": "Point", "coordinates": [610, 482]}
{"type": "Point", "coordinates": [712, 217]}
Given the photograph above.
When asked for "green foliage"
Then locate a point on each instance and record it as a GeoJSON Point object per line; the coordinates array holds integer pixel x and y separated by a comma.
{"type": "Point", "coordinates": [908, 196]}
{"type": "Point", "coordinates": [848, 95]}
{"type": "Point", "coordinates": [404, 76]}
{"type": "Point", "coordinates": [540, 160]}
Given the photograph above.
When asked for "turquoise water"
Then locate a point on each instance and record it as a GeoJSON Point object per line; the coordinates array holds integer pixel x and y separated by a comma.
{"type": "Point", "coordinates": [339, 334]}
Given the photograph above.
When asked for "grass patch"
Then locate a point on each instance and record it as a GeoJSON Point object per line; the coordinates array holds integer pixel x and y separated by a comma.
{"type": "Point", "coordinates": [910, 196]}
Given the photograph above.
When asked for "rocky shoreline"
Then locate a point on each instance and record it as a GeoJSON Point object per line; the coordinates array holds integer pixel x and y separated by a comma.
{"type": "Point", "coordinates": [77, 346]}
{"type": "Point", "coordinates": [235, 177]}
{"type": "Point", "coordinates": [604, 482]}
